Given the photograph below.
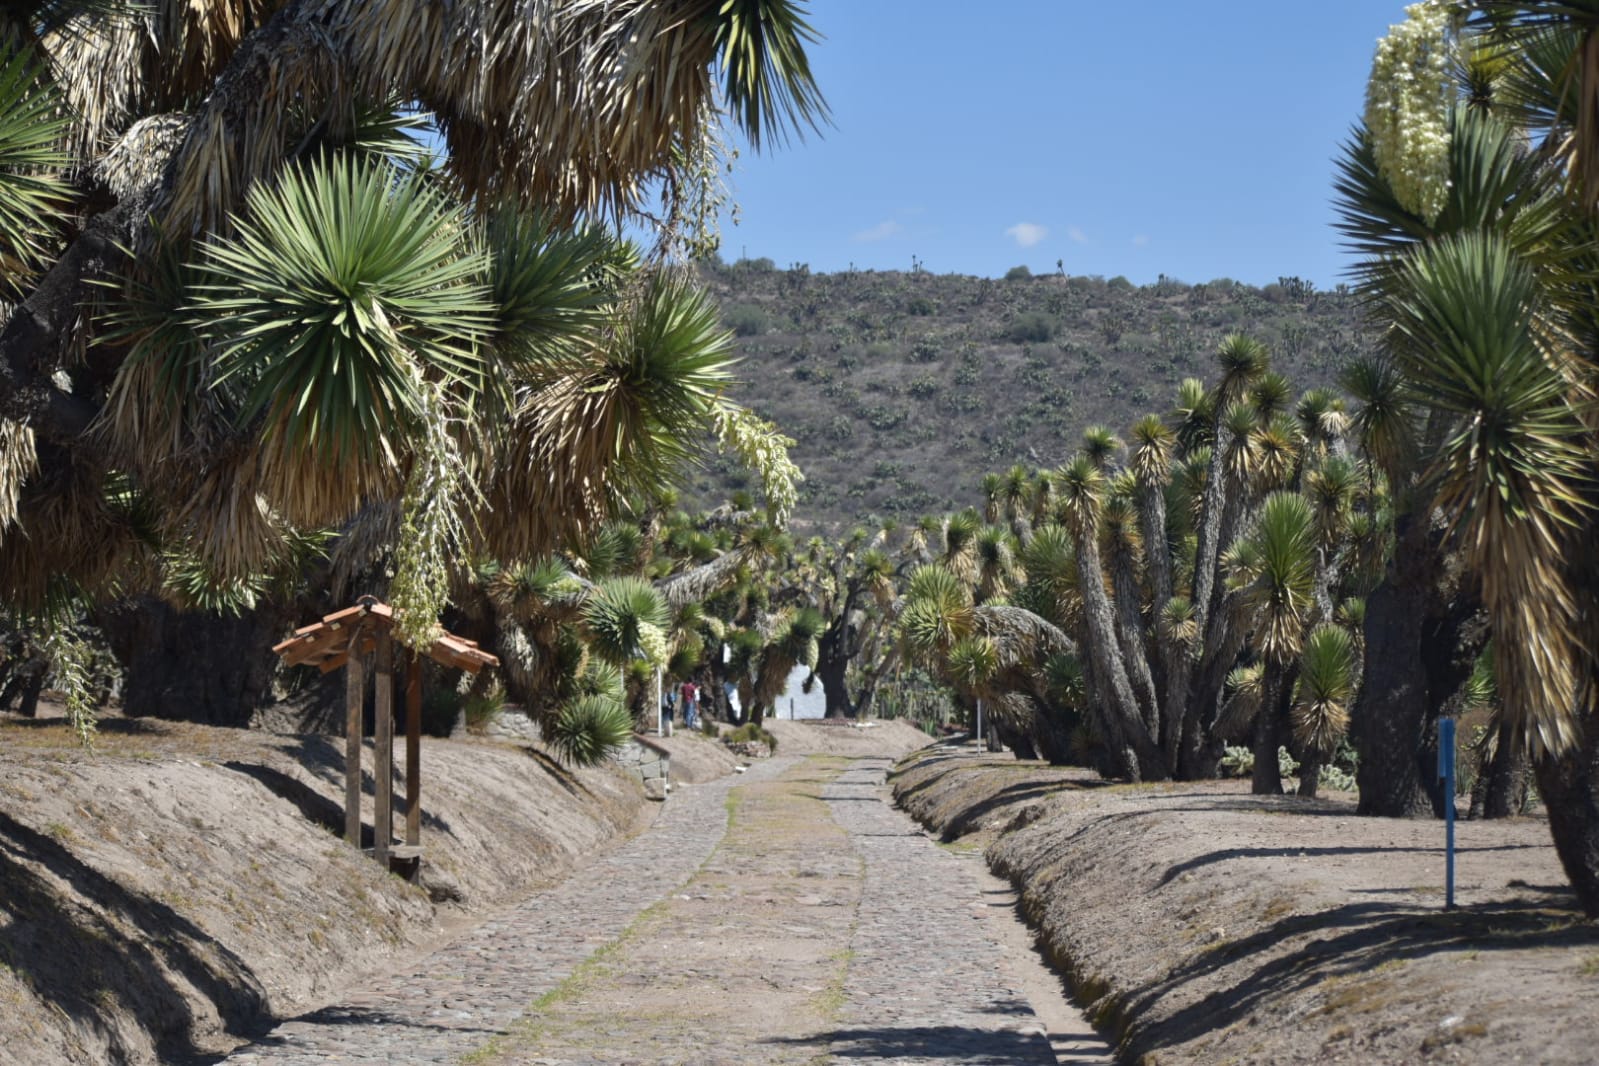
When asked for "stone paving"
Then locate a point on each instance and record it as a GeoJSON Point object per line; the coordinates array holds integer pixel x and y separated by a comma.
{"type": "Point", "coordinates": [926, 981]}
{"type": "Point", "coordinates": [820, 926]}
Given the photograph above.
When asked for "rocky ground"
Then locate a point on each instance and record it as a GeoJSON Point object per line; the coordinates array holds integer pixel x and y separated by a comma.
{"type": "Point", "coordinates": [1201, 925]}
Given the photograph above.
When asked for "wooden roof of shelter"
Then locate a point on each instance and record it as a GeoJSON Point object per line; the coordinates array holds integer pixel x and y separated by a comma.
{"type": "Point", "coordinates": [326, 644]}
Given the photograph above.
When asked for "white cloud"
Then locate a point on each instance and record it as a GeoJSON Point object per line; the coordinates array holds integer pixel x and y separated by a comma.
{"type": "Point", "coordinates": [880, 232]}
{"type": "Point", "coordinates": [1140, 241]}
{"type": "Point", "coordinates": [1027, 234]}
{"type": "Point", "coordinates": [1077, 235]}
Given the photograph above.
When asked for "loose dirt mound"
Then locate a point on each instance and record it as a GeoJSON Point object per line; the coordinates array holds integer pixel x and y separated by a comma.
{"type": "Point", "coordinates": [164, 895]}
{"type": "Point", "coordinates": [888, 739]}
{"type": "Point", "coordinates": [1204, 925]}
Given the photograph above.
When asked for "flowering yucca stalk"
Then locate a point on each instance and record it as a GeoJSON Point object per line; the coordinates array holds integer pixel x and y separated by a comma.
{"type": "Point", "coordinates": [1408, 98]}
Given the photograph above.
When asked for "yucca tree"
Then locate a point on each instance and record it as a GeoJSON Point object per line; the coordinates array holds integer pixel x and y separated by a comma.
{"type": "Point", "coordinates": [1272, 569]}
{"type": "Point", "coordinates": [1496, 186]}
{"type": "Point", "coordinates": [254, 236]}
{"type": "Point", "coordinates": [1242, 360]}
{"type": "Point", "coordinates": [1081, 487]}
{"type": "Point", "coordinates": [1492, 344]}
{"type": "Point", "coordinates": [1322, 696]}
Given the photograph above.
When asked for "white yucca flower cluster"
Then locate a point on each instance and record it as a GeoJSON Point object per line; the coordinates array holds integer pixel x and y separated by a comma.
{"type": "Point", "coordinates": [759, 445]}
{"type": "Point", "coordinates": [1407, 106]}
{"type": "Point", "coordinates": [652, 639]}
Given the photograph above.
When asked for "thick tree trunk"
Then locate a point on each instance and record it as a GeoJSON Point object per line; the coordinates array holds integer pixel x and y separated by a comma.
{"type": "Point", "coordinates": [1570, 789]}
{"type": "Point", "coordinates": [1310, 775]}
{"type": "Point", "coordinates": [192, 666]}
{"type": "Point", "coordinates": [1266, 778]}
{"type": "Point", "coordinates": [832, 669]}
{"type": "Point", "coordinates": [1389, 719]}
{"type": "Point", "coordinates": [1504, 777]}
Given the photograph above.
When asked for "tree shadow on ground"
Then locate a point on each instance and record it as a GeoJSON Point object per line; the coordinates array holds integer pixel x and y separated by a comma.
{"type": "Point", "coordinates": [1352, 941]}
{"type": "Point", "coordinates": [324, 758]}
{"type": "Point", "coordinates": [563, 776]}
{"type": "Point", "coordinates": [1228, 854]}
{"type": "Point", "coordinates": [929, 1042]}
{"type": "Point", "coordinates": [83, 962]}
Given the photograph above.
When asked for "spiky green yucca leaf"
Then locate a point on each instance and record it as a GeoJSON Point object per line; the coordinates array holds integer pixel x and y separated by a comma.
{"type": "Point", "coordinates": [766, 77]}
{"type": "Point", "coordinates": [622, 619]}
{"type": "Point", "coordinates": [1179, 622]}
{"type": "Point", "coordinates": [1325, 689]}
{"type": "Point", "coordinates": [935, 584]}
{"type": "Point", "coordinates": [1194, 415]}
{"type": "Point", "coordinates": [1100, 445]}
{"type": "Point", "coordinates": [1279, 596]}
{"type": "Point", "coordinates": [1269, 394]}
{"type": "Point", "coordinates": [589, 729]}
{"type": "Point", "coordinates": [348, 285]}
{"type": "Point", "coordinates": [1513, 466]}
{"type": "Point", "coordinates": [31, 126]}
{"type": "Point", "coordinates": [1153, 444]}
{"type": "Point", "coordinates": [1080, 486]}
{"type": "Point", "coordinates": [1242, 360]}
{"type": "Point", "coordinates": [547, 286]}
{"type": "Point", "coordinates": [971, 664]}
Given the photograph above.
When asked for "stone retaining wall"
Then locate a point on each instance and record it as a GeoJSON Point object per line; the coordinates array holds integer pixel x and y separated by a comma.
{"type": "Point", "coordinates": [647, 761]}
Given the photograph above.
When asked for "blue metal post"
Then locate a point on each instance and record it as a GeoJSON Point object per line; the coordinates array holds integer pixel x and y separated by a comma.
{"type": "Point", "coordinates": [1446, 770]}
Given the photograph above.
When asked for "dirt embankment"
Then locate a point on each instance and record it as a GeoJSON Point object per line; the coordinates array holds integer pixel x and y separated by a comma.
{"type": "Point", "coordinates": [170, 892]}
{"type": "Point", "coordinates": [1200, 924]}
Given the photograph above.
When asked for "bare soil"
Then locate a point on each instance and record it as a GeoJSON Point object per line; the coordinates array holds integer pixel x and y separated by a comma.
{"type": "Point", "coordinates": [166, 895]}
{"type": "Point", "coordinates": [1200, 924]}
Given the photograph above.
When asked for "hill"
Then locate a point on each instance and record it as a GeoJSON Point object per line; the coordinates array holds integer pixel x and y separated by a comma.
{"type": "Point", "coordinates": [903, 389]}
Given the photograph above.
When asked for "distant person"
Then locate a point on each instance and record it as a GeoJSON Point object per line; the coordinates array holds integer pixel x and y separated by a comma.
{"type": "Point", "coordinates": [668, 707]}
{"type": "Point", "coordinates": [691, 703]}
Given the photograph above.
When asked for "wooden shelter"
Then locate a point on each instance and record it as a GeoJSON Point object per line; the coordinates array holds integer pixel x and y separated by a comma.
{"type": "Point", "coordinates": [344, 638]}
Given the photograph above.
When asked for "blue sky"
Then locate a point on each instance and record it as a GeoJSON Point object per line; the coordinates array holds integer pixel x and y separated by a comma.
{"type": "Point", "coordinates": [1162, 137]}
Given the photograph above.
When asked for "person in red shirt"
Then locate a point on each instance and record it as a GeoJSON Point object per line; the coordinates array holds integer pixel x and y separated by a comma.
{"type": "Point", "coordinates": [691, 704]}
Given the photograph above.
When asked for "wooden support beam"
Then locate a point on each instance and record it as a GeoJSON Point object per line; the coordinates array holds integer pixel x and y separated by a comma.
{"type": "Point", "coordinates": [354, 693]}
{"type": "Point", "coordinates": [413, 750]}
{"type": "Point", "coordinates": [383, 753]}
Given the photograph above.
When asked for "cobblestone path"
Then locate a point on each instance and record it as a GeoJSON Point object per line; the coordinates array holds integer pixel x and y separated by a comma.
{"type": "Point", "coordinates": [787, 916]}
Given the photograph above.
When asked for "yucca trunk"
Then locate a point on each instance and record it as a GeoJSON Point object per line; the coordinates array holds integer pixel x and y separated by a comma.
{"type": "Point", "coordinates": [1130, 635]}
{"type": "Point", "coordinates": [1122, 712]}
{"type": "Point", "coordinates": [1267, 780]}
{"type": "Point", "coordinates": [832, 669]}
{"type": "Point", "coordinates": [1569, 785]}
{"type": "Point", "coordinates": [1424, 629]}
{"type": "Point", "coordinates": [1212, 504]}
{"type": "Point", "coordinates": [1173, 658]}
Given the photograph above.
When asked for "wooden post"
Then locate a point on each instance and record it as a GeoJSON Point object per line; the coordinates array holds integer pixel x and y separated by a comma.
{"type": "Point", "coordinates": [354, 693]}
{"type": "Point", "coordinates": [383, 753]}
{"type": "Point", "coordinates": [413, 751]}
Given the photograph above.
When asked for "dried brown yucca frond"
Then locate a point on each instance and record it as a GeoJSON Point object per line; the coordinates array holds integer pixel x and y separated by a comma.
{"type": "Point", "coordinates": [135, 163]}
{"type": "Point", "coordinates": [363, 541]}
{"type": "Point", "coordinates": [18, 461]}
{"type": "Point", "coordinates": [700, 583]}
{"type": "Point", "coordinates": [1020, 635]}
{"type": "Point", "coordinates": [310, 493]}
{"type": "Point", "coordinates": [241, 134]}
{"type": "Point", "coordinates": [550, 486]}
{"type": "Point", "coordinates": [215, 508]}
{"type": "Point", "coordinates": [66, 525]}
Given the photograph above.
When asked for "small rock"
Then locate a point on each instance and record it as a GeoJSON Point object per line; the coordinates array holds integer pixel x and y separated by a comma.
{"type": "Point", "coordinates": [655, 789]}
